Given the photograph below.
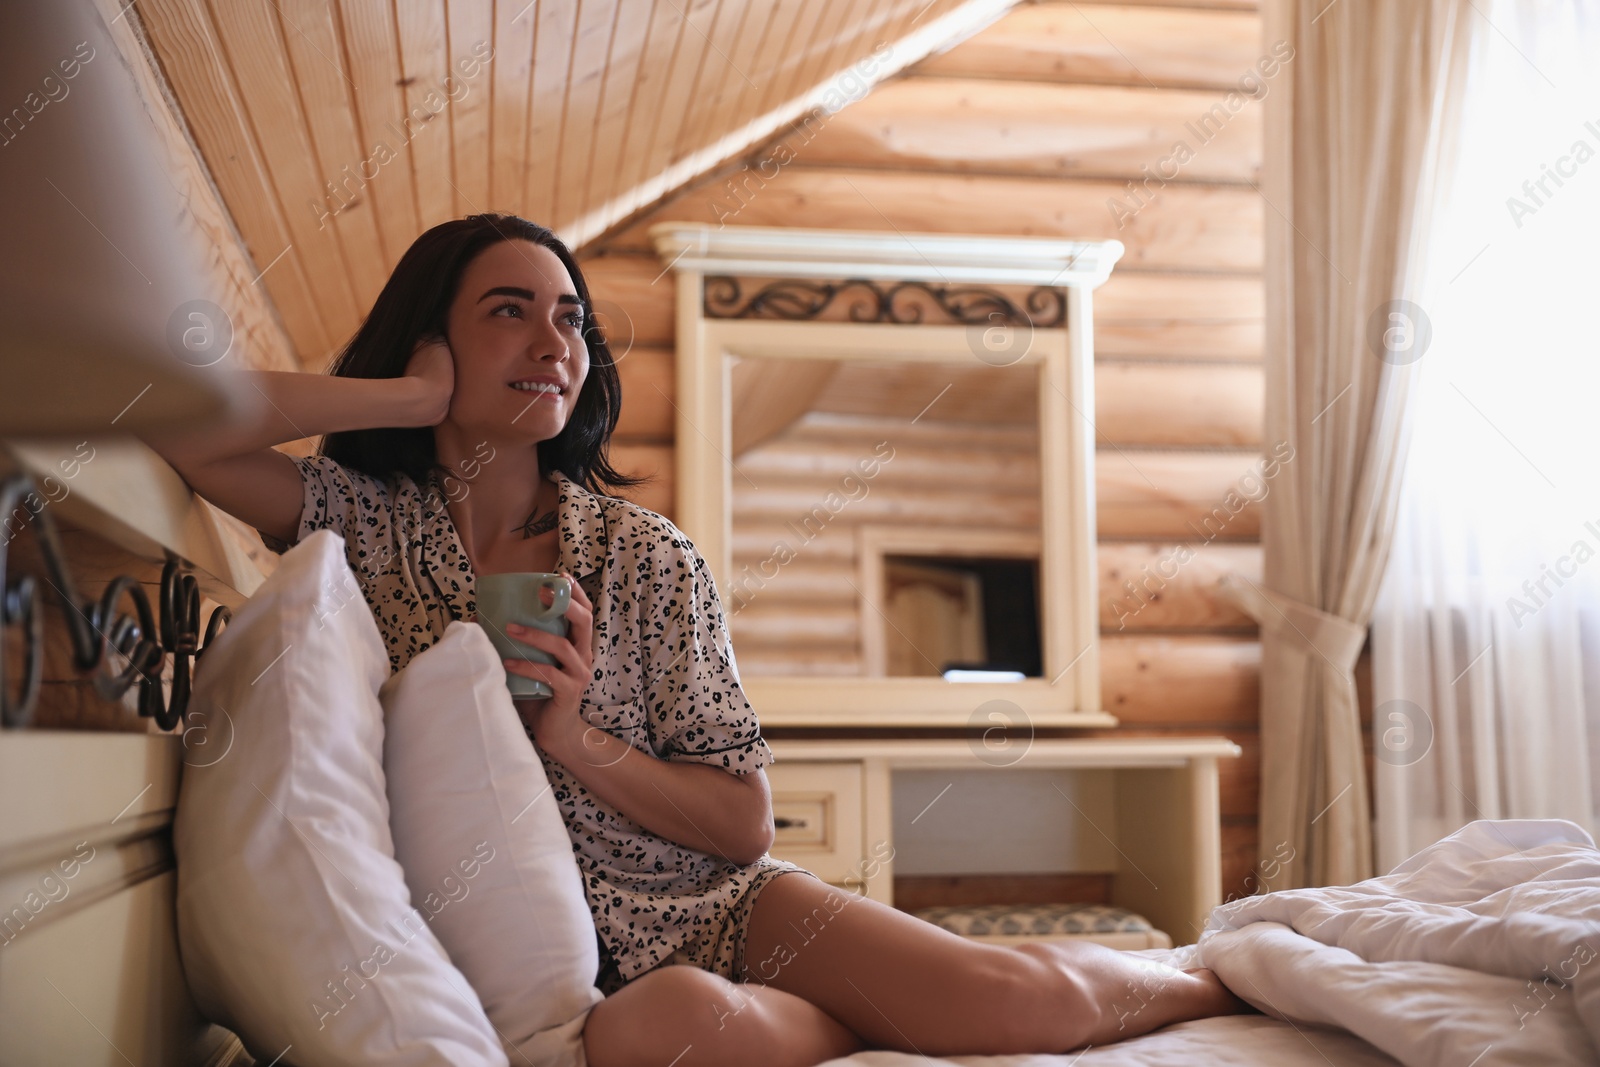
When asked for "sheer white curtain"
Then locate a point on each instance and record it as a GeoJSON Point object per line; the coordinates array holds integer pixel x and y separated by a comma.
{"type": "Point", "coordinates": [1486, 636]}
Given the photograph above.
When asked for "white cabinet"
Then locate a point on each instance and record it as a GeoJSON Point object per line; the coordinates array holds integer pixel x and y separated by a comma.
{"type": "Point", "coordinates": [817, 817]}
{"type": "Point", "coordinates": [833, 804]}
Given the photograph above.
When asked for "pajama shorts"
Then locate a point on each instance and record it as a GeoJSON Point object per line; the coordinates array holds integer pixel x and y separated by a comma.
{"type": "Point", "coordinates": [721, 950]}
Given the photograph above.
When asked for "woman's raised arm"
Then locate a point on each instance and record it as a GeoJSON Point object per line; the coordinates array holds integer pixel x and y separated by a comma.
{"type": "Point", "coordinates": [236, 468]}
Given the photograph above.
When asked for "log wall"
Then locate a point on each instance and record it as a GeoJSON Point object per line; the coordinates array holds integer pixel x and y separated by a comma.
{"type": "Point", "coordinates": [1053, 122]}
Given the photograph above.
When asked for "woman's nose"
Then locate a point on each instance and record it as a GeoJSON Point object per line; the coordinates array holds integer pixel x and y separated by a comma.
{"type": "Point", "coordinates": [552, 345]}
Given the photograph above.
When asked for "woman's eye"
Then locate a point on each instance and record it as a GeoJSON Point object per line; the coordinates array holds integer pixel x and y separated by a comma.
{"type": "Point", "coordinates": [508, 304]}
{"type": "Point", "coordinates": [575, 320]}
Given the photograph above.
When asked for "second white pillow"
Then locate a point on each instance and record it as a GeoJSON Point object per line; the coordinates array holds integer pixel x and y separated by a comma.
{"type": "Point", "coordinates": [484, 849]}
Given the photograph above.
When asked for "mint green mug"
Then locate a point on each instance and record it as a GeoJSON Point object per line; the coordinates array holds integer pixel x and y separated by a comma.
{"type": "Point", "coordinates": [515, 597]}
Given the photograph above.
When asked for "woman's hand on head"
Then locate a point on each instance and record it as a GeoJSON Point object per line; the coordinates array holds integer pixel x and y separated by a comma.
{"type": "Point", "coordinates": [433, 364]}
{"type": "Point", "coordinates": [557, 727]}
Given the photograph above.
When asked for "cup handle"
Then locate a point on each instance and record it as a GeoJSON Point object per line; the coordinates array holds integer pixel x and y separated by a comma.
{"type": "Point", "coordinates": [562, 588]}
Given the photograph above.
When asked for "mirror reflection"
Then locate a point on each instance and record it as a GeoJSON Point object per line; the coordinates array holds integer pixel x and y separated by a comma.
{"type": "Point", "coordinates": [969, 615]}
{"type": "Point", "coordinates": [885, 517]}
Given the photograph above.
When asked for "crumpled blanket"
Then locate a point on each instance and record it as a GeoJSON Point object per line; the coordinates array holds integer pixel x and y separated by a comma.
{"type": "Point", "coordinates": [1483, 949]}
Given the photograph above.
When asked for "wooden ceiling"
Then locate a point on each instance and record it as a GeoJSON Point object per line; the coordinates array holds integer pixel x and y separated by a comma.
{"type": "Point", "coordinates": [337, 131]}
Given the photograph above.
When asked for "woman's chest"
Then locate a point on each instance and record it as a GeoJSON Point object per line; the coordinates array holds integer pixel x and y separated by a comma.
{"type": "Point", "coordinates": [539, 554]}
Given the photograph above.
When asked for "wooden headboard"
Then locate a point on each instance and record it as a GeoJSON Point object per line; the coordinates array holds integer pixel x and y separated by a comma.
{"type": "Point", "coordinates": [89, 964]}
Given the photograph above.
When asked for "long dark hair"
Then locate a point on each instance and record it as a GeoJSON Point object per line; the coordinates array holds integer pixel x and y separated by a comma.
{"type": "Point", "coordinates": [415, 303]}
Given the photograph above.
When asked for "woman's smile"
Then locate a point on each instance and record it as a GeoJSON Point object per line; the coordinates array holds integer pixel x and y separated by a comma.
{"type": "Point", "coordinates": [539, 388]}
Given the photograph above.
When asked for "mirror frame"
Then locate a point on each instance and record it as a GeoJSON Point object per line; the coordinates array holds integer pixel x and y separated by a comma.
{"type": "Point", "coordinates": [1068, 692]}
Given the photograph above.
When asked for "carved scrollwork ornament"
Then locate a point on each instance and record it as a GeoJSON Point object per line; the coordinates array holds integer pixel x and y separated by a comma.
{"type": "Point", "coordinates": [900, 303]}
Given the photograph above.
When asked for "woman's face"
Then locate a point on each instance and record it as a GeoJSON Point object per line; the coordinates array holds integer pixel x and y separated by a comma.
{"type": "Point", "coordinates": [516, 318]}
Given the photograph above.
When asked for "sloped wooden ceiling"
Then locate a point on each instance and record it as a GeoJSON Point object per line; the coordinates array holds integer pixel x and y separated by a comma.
{"type": "Point", "coordinates": [339, 130]}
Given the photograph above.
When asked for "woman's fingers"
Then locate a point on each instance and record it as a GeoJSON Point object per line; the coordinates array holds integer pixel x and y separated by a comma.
{"type": "Point", "coordinates": [530, 667]}
{"type": "Point", "coordinates": [580, 614]}
{"type": "Point", "coordinates": [568, 660]}
{"type": "Point", "coordinates": [543, 640]}
{"type": "Point", "coordinates": [557, 680]}
{"type": "Point", "coordinates": [579, 601]}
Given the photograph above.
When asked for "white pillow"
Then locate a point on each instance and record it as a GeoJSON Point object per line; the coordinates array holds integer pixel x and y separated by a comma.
{"type": "Point", "coordinates": [484, 848]}
{"type": "Point", "coordinates": [295, 925]}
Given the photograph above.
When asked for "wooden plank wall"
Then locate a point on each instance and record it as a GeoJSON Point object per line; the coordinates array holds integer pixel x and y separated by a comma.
{"type": "Point", "coordinates": [1040, 125]}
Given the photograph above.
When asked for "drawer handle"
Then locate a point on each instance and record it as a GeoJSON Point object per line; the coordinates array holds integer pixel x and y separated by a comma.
{"type": "Point", "coordinates": [780, 822]}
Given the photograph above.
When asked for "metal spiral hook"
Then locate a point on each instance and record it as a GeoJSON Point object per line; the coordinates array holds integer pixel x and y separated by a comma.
{"type": "Point", "coordinates": [97, 627]}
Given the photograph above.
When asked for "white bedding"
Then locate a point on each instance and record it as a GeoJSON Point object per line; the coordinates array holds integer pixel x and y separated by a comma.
{"type": "Point", "coordinates": [1237, 1040]}
{"type": "Point", "coordinates": [1483, 950]}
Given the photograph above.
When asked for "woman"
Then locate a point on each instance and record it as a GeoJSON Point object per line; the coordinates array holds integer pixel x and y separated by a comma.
{"type": "Point", "coordinates": [467, 423]}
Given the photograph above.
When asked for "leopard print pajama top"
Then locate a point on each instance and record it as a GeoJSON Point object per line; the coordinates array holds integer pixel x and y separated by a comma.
{"type": "Point", "coordinates": [665, 681]}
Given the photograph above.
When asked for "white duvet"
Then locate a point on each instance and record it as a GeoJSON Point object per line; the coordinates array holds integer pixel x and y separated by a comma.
{"type": "Point", "coordinates": [1482, 950]}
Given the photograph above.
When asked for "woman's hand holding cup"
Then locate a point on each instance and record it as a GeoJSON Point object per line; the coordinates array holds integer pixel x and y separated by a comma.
{"type": "Point", "coordinates": [552, 719]}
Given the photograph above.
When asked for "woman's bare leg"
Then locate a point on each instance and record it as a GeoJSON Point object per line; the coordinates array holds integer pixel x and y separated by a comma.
{"type": "Point", "coordinates": [680, 1016]}
{"type": "Point", "coordinates": [902, 983]}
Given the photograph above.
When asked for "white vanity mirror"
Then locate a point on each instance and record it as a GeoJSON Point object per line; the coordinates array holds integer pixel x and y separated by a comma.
{"type": "Point", "coordinates": [885, 452]}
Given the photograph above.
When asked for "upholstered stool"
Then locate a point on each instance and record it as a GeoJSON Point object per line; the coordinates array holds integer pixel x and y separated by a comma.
{"type": "Point", "coordinates": [1013, 923]}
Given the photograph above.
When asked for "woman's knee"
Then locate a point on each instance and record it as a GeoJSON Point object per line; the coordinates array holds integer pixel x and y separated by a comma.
{"type": "Point", "coordinates": [669, 1008]}
{"type": "Point", "coordinates": [678, 1014]}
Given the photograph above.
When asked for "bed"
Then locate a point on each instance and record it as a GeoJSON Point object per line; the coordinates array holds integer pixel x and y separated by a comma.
{"type": "Point", "coordinates": [1481, 950]}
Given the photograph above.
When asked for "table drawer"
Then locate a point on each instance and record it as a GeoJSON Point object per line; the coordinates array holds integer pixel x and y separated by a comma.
{"type": "Point", "coordinates": [816, 808]}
